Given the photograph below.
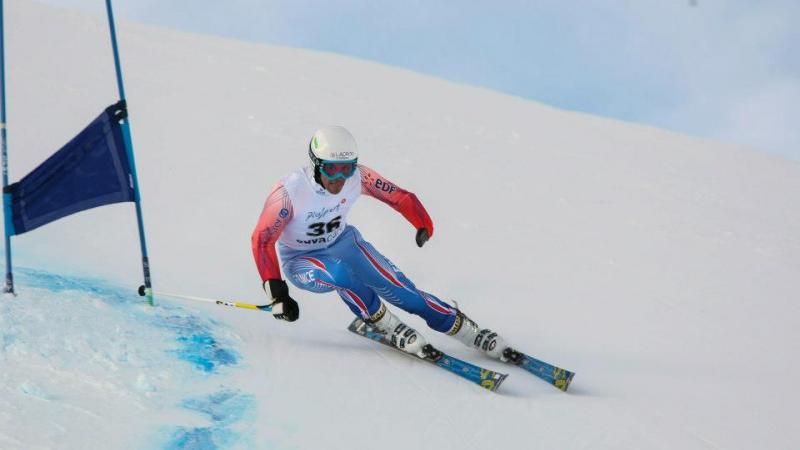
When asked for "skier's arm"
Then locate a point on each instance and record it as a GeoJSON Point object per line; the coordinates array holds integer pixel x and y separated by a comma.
{"type": "Point", "coordinates": [276, 214]}
{"type": "Point", "coordinates": [404, 202]}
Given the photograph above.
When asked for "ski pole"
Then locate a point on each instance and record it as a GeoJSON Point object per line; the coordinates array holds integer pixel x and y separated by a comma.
{"type": "Point", "coordinates": [266, 308]}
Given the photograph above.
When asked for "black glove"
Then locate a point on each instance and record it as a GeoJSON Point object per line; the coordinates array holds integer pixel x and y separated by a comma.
{"type": "Point", "coordinates": [422, 237]}
{"type": "Point", "coordinates": [283, 306]}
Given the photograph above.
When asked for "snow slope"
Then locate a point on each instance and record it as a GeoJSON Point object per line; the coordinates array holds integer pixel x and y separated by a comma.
{"type": "Point", "coordinates": [659, 267]}
{"type": "Point", "coordinates": [84, 366]}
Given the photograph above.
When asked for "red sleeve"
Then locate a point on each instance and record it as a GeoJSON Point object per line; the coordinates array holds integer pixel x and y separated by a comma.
{"type": "Point", "coordinates": [276, 214]}
{"type": "Point", "coordinates": [404, 202]}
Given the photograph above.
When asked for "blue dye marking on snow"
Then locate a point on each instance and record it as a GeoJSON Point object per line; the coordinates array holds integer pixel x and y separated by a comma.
{"type": "Point", "coordinates": [223, 409]}
{"type": "Point", "coordinates": [204, 352]}
{"type": "Point", "coordinates": [194, 438]}
{"type": "Point", "coordinates": [58, 283]}
{"type": "Point", "coordinates": [196, 342]}
{"type": "Point", "coordinates": [196, 345]}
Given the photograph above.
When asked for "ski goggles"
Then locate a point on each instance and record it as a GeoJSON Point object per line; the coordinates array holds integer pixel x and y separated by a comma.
{"type": "Point", "coordinates": [338, 170]}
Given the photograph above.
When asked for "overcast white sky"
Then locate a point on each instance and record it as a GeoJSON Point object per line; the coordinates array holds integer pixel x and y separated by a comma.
{"type": "Point", "coordinates": [723, 69]}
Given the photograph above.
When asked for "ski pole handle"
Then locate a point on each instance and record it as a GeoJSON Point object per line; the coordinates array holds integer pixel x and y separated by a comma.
{"type": "Point", "coordinates": [266, 308]}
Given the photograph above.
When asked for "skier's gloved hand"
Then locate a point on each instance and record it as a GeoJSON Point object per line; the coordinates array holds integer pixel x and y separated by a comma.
{"type": "Point", "coordinates": [283, 306]}
{"type": "Point", "coordinates": [422, 237]}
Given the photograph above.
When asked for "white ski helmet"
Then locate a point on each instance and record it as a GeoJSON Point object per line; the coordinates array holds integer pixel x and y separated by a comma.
{"type": "Point", "coordinates": [332, 144]}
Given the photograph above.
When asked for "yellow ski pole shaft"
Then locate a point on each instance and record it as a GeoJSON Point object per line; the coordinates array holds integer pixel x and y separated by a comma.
{"type": "Point", "coordinates": [235, 304]}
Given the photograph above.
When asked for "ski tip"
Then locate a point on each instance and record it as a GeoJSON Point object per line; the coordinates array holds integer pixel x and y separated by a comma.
{"type": "Point", "coordinates": [493, 381]}
{"type": "Point", "coordinates": [563, 383]}
{"type": "Point", "coordinates": [500, 381]}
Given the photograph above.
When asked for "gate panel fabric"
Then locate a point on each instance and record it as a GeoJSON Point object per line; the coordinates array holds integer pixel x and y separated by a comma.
{"type": "Point", "coordinates": [89, 171]}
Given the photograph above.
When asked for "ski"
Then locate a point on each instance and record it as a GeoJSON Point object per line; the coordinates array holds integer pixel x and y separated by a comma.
{"type": "Point", "coordinates": [484, 378]}
{"type": "Point", "coordinates": [558, 377]}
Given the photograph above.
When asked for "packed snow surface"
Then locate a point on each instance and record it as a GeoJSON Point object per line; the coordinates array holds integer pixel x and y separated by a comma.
{"type": "Point", "coordinates": [661, 268]}
{"type": "Point", "coordinates": [85, 365]}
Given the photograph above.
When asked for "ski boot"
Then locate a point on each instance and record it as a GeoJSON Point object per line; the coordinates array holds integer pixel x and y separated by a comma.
{"type": "Point", "coordinates": [401, 335]}
{"type": "Point", "coordinates": [468, 332]}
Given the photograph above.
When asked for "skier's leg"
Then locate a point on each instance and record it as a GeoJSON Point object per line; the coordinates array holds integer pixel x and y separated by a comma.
{"type": "Point", "coordinates": [323, 273]}
{"type": "Point", "coordinates": [391, 284]}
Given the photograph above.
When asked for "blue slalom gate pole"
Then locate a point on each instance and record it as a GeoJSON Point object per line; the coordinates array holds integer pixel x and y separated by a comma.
{"type": "Point", "coordinates": [9, 287]}
{"type": "Point", "coordinates": [126, 133]}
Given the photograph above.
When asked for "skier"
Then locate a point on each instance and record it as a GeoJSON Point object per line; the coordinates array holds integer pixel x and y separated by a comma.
{"type": "Point", "coordinates": [306, 215]}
